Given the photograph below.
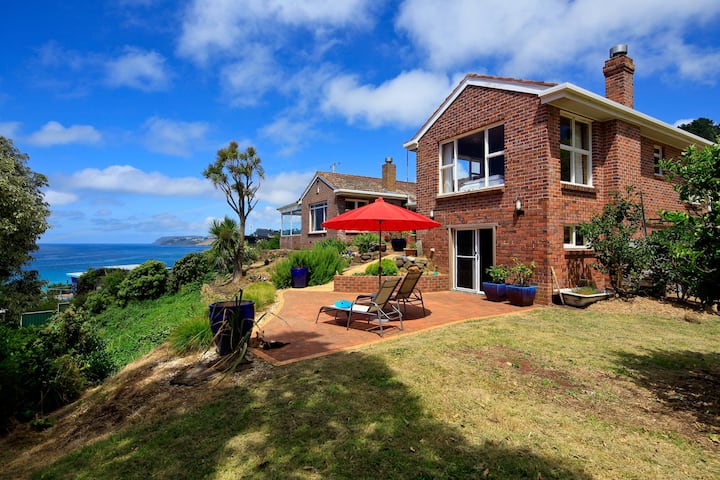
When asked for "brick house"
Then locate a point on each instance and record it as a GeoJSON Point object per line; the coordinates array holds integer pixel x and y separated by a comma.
{"type": "Point", "coordinates": [510, 168]}
{"type": "Point", "coordinates": [329, 194]}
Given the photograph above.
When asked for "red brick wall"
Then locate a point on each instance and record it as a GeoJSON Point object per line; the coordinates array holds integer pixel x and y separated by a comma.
{"type": "Point", "coordinates": [365, 283]}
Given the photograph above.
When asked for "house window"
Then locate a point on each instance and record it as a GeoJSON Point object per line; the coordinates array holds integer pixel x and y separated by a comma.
{"type": "Point", "coordinates": [318, 214]}
{"type": "Point", "coordinates": [575, 166]}
{"type": "Point", "coordinates": [572, 237]}
{"type": "Point", "coordinates": [657, 156]}
{"type": "Point", "coordinates": [474, 161]}
{"type": "Point", "coordinates": [353, 204]}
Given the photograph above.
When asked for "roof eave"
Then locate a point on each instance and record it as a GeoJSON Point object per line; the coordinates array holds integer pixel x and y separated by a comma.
{"type": "Point", "coordinates": [572, 98]}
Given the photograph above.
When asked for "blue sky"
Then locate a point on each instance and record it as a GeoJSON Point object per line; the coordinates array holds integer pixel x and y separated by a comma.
{"type": "Point", "coordinates": [122, 104]}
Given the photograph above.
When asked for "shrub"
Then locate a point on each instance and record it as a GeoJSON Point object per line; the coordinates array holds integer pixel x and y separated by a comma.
{"type": "Point", "coordinates": [613, 235]}
{"type": "Point", "coordinates": [366, 242]}
{"type": "Point", "coordinates": [521, 272]}
{"type": "Point", "coordinates": [498, 273]}
{"type": "Point", "coordinates": [388, 268]}
{"type": "Point", "coordinates": [272, 243]}
{"type": "Point", "coordinates": [323, 264]}
{"type": "Point", "coordinates": [96, 302]}
{"type": "Point", "coordinates": [147, 281]}
{"type": "Point", "coordinates": [193, 267]}
{"type": "Point", "coordinates": [338, 245]}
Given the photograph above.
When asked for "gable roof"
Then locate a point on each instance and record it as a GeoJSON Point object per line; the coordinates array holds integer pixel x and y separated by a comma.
{"type": "Point", "coordinates": [361, 186]}
{"type": "Point", "coordinates": [570, 97]}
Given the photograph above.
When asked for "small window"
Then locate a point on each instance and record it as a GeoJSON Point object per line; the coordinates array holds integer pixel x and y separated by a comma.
{"type": "Point", "coordinates": [353, 204]}
{"type": "Point", "coordinates": [573, 238]}
{"type": "Point", "coordinates": [657, 156]}
{"type": "Point", "coordinates": [318, 214]}
{"type": "Point", "coordinates": [473, 162]}
{"type": "Point", "coordinates": [575, 163]}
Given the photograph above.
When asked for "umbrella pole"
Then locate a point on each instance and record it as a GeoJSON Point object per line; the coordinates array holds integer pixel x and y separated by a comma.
{"type": "Point", "coordinates": [380, 255]}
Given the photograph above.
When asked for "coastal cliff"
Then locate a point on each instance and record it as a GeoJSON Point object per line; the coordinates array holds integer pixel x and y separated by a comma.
{"type": "Point", "coordinates": [184, 240]}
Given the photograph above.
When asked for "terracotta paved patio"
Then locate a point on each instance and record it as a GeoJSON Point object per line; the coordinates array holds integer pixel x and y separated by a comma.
{"type": "Point", "coordinates": [293, 321]}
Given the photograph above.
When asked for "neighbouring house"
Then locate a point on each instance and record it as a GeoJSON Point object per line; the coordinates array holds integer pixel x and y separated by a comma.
{"type": "Point", "coordinates": [329, 194]}
{"type": "Point", "coordinates": [511, 167]}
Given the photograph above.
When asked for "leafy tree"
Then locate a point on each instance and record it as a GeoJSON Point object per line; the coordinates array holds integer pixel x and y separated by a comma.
{"type": "Point", "coordinates": [619, 251]}
{"type": "Point", "coordinates": [697, 233]}
{"type": "Point", "coordinates": [20, 294]}
{"type": "Point", "coordinates": [23, 211]}
{"type": "Point", "coordinates": [703, 127]}
{"type": "Point", "coordinates": [237, 174]}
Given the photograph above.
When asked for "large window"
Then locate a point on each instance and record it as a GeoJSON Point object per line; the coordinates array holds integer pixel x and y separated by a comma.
{"type": "Point", "coordinates": [573, 238]}
{"type": "Point", "coordinates": [657, 156]}
{"type": "Point", "coordinates": [473, 162]}
{"type": "Point", "coordinates": [575, 163]}
{"type": "Point", "coordinates": [353, 204]}
{"type": "Point", "coordinates": [318, 214]}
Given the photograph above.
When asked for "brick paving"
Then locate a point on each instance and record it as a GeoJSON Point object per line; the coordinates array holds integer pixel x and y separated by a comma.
{"type": "Point", "coordinates": [293, 321]}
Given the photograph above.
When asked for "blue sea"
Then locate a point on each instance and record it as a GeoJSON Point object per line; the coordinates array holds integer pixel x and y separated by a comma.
{"type": "Point", "coordinates": [55, 260]}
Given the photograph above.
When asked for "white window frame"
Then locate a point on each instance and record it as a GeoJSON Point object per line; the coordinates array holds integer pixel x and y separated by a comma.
{"type": "Point", "coordinates": [657, 156]}
{"type": "Point", "coordinates": [452, 167]}
{"type": "Point", "coordinates": [321, 206]}
{"type": "Point", "coordinates": [575, 151]}
{"type": "Point", "coordinates": [575, 237]}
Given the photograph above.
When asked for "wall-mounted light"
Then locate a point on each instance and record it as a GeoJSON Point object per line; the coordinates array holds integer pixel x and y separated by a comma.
{"type": "Point", "coordinates": [432, 213]}
{"type": "Point", "coordinates": [519, 207]}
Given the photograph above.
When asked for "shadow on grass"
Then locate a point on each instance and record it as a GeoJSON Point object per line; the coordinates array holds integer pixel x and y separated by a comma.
{"type": "Point", "coordinates": [684, 381]}
{"type": "Point", "coordinates": [345, 416]}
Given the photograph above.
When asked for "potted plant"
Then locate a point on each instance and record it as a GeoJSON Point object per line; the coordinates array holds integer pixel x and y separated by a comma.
{"type": "Point", "coordinates": [521, 293]}
{"type": "Point", "coordinates": [410, 250]}
{"type": "Point", "coordinates": [398, 243]}
{"type": "Point", "coordinates": [495, 291]}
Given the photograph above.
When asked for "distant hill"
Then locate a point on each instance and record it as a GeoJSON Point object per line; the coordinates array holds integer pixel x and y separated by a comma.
{"type": "Point", "coordinates": [184, 240]}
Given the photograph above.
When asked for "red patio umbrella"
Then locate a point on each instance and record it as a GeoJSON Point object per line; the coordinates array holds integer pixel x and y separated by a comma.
{"type": "Point", "coordinates": [380, 216]}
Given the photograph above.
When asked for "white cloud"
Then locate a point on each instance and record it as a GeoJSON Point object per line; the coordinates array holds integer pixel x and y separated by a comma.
{"type": "Point", "coordinates": [172, 137]}
{"type": "Point", "coordinates": [128, 179]}
{"type": "Point", "coordinates": [55, 198]}
{"type": "Point", "coordinates": [405, 100]}
{"type": "Point", "coordinates": [682, 121]}
{"type": "Point", "coordinates": [53, 133]}
{"type": "Point", "coordinates": [247, 80]}
{"type": "Point", "coordinates": [283, 188]}
{"type": "Point", "coordinates": [291, 134]}
{"type": "Point", "coordinates": [532, 38]}
{"type": "Point", "coordinates": [223, 25]}
{"type": "Point", "coordinates": [138, 69]}
{"type": "Point", "coordinates": [9, 129]}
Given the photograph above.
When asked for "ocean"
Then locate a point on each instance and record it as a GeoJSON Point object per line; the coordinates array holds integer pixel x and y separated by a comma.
{"type": "Point", "coordinates": [55, 260]}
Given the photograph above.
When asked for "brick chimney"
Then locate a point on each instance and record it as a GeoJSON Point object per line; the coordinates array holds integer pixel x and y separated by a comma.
{"type": "Point", "coordinates": [388, 175]}
{"type": "Point", "coordinates": [618, 71]}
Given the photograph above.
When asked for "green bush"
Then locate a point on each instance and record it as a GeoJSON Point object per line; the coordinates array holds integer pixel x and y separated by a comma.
{"type": "Point", "coordinates": [388, 268]}
{"type": "Point", "coordinates": [44, 368]}
{"type": "Point", "coordinates": [323, 264]}
{"type": "Point", "coordinates": [366, 242]}
{"type": "Point", "coordinates": [193, 267]}
{"type": "Point", "coordinates": [272, 243]}
{"type": "Point", "coordinates": [145, 282]}
{"type": "Point", "coordinates": [96, 302]}
{"type": "Point", "coordinates": [262, 293]}
{"type": "Point", "coordinates": [338, 245]}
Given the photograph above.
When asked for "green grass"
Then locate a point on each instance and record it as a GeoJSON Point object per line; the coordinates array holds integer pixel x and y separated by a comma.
{"type": "Point", "coordinates": [533, 395]}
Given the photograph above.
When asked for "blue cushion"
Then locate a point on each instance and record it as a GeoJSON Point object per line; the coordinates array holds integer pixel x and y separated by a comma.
{"type": "Point", "coordinates": [343, 304]}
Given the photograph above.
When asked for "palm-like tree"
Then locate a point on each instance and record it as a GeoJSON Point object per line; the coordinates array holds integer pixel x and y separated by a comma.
{"type": "Point", "coordinates": [226, 236]}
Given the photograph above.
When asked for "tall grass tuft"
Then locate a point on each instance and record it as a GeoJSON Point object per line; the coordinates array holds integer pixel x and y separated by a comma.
{"type": "Point", "coordinates": [262, 293]}
{"type": "Point", "coordinates": [323, 263]}
{"type": "Point", "coordinates": [192, 335]}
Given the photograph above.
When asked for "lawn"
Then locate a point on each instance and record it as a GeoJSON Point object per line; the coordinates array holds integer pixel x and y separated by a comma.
{"type": "Point", "coordinates": [553, 393]}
